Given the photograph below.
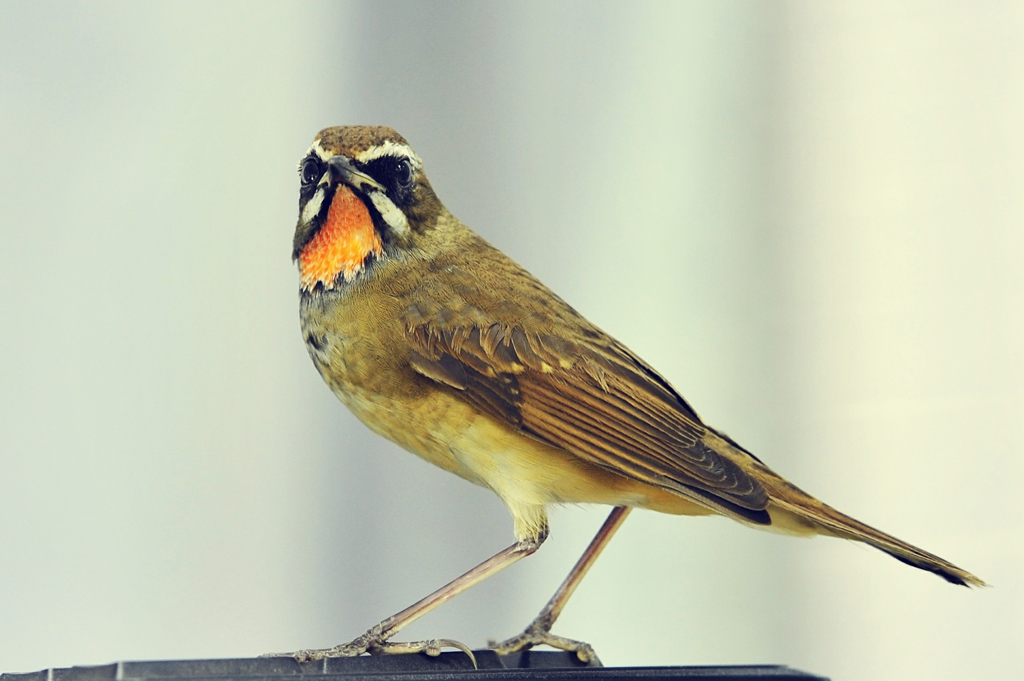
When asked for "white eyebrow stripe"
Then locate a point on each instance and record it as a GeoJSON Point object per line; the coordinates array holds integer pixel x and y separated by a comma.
{"type": "Point", "coordinates": [318, 150]}
{"type": "Point", "coordinates": [315, 147]}
{"type": "Point", "coordinates": [389, 148]}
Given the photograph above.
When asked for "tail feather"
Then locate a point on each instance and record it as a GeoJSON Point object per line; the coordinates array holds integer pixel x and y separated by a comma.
{"type": "Point", "coordinates": [827, 520]}
{"type": "Point", "coordinates": [794, 511]}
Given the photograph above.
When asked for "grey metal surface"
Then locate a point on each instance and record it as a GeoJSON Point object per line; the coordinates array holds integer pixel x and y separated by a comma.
{"type": "Point", "coordinates": [549, 666]}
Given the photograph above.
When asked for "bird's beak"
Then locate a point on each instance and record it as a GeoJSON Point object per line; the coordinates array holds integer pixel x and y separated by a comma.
{"type": "Point", "coordinates": [341, 169]}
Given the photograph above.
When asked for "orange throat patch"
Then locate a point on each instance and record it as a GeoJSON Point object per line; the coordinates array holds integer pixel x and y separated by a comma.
{"type": "Point", "coordinates": [342, 245]}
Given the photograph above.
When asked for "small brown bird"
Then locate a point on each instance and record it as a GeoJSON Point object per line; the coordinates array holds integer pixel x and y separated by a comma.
{"type": "Point", "coordinates": [441, 343]}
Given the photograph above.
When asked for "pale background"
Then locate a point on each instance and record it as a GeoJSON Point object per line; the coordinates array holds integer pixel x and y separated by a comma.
{"type": "Point", "coordinates": [809, 216]}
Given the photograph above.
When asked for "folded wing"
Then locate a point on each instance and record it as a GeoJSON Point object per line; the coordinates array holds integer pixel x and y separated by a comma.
{"type": "Point", "coordinates": [594, 399]}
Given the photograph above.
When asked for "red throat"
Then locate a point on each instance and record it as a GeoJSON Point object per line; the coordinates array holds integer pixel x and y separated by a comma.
{"type": "Point", "coordinates": [342, 245]}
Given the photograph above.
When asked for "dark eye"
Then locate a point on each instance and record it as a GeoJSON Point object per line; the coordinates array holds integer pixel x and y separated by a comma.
{"type": "Point", "coordinates": [403, 173]}
{"type": "Point", "coordinates": [310, 171]}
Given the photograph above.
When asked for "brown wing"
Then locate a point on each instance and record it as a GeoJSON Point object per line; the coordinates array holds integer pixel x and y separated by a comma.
{"type": "Point", "coordinates": [594, 399]}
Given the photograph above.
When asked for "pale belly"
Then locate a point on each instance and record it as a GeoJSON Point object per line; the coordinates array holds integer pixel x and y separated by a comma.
{"type": "Point", "coordinates": [525, 473]}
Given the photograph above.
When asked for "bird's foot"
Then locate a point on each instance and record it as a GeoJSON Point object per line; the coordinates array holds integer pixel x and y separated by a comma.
{"type": "Point", "coordinates": [351, 649]}
{"type": "Point", "coordinates": [432, 648]}
{"type": "Point", "coordinates": [539, 633]}
{"type": "Point", "coordinates": [375, 642]}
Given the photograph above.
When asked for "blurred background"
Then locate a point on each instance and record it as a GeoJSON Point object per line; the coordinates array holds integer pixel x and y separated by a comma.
{"type": "Point", "coordinates": [808, 216]}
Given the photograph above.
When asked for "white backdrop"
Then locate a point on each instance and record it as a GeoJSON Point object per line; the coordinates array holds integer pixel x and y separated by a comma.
{"type": "Point", "coordinates": [808, 216]}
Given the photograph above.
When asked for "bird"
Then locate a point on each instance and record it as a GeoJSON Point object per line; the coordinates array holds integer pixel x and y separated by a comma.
{"type": "Point", "coordinates": [438, 341]}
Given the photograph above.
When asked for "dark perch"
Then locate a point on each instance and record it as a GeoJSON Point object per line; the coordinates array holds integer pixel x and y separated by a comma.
{"type": "Point", "coordinates": [529, 665]}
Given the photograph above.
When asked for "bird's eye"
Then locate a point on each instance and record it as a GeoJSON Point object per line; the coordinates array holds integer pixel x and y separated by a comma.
{"type": "Point", "coordinates": [403, 173]}
{"type": "Point", "coordinates": [311, 171]}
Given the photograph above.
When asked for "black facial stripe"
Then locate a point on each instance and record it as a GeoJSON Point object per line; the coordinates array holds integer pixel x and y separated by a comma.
{"type": "Point", "coordinates": [306, 235]}
{"type": "Point", "coordinates": [383, 228]}
{"type": "Point", "coordinates": [395, 173]}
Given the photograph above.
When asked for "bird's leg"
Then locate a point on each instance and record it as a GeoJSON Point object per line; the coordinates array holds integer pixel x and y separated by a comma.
{"type": "Point", "coordinates": [539, 630]}
{"type": "Point", "coordinates": [376, 640]}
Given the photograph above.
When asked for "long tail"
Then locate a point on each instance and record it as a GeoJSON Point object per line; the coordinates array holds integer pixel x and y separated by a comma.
{"type": "Point", "coordinates": [796, 510]}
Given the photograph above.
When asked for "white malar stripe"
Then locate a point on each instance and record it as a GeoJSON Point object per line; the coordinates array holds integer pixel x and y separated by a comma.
{"type": "Point", "coordinates": [389, 148]}
{"type": "Point", "coordinates": [390, 213]}
{"type": "Point", "coordinates": [312, 207]}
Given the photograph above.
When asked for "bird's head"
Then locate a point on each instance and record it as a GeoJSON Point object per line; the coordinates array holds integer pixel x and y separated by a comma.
{"type": "Point", "coordinates": [363, 197]}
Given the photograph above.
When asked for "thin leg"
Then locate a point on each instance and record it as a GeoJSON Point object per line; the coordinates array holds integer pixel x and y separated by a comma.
{"type": "Point", "coordinates": [375, 640]}
{"type": "Point", "coordinates": [539, 630]}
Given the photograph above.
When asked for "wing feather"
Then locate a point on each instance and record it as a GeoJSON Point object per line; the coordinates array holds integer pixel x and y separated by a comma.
{"type": "Point", "coordinates": [592, 398]}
